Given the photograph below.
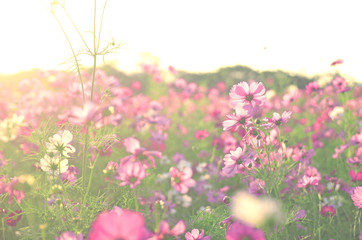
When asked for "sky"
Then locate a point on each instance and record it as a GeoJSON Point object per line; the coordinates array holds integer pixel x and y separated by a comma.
{"type": "Point", "coordinates": [193, 35]}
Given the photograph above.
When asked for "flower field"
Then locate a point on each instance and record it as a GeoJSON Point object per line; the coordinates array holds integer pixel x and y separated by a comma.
{"type": "Point", "coordinates": [165, 158]}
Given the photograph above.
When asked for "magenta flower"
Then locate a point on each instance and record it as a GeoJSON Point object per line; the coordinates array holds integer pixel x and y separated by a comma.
{"type": "Point", "coordinates": [339, 61]}
{"type": "Point", "coordinates": [238, 231]}
{"type": "Point", "coordinates": [355, 177]}
{"type": "Point", "coordinates": [328, 211]}
{"type": "Point", "coordinates": [131, 174]}
{"type": "Point", "coordinates": [253, 95]}
{"type": "Point", "coordinates": [13, 218]}
{"type": "Point", "coordinates": [119, 224]}
{"type": "Point", "coordinates": [357, 197]}
{"type": "Point", "coordinates": [181, 181]}
{"type": "Point", "coordinates": [201, 134]}
{"type": "Point", "coordinates": [196, 235]}
{"type": "Point", "coordinates": [277, 120]}
{"type": "Point", "coordinates": [241, 118]}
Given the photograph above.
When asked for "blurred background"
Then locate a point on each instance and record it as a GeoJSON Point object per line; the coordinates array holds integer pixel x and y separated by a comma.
{"type": "Point", "coordinates": [302, 37]}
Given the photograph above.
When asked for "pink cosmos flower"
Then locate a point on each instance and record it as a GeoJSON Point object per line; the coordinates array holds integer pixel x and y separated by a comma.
{"type": "Point", "coordinates": [136, 85]}
{"type": "Point", "coordinates": [312, 86]}
{"type": "Point", "coordinates": [235, 160]}
{"type": "Point", "coordinates": [253, 95]}
{"type": "Point", "coordinates": [139, 153]}
{"type": "Point", "coordinates": [69, 236]}
{"type": "Point", "coordinates": [241, 118]}
{"type": "Point", "coordinates": [119, 224]}
{"type": "Point", "coordinates": [257, 187]}
{"type": "Point", "coordinates": [339, 61]}
{"type": "Point", "coordinates": [69, 175]}
{"type": "Point", "coordinates": [81, 116]}
{"type": "Point", "coordinates": [131, 174]}
{"type": "Point", "coordinates": [181, 181]}
{"type": "Point", "coordinates": [164, 230]}
{"type": "Point", "coordinates": [196, 235]}
{"type": "Point", "coordinates": [10, 189]}
{"type": "Point", "coordinates": [311, 178]}
{"type": "Point", "coordinates": [328, 211]}
{"type": "Point", "coordinates": [13, 218]}
{"type": "Point", "coordinates": [277, 120]}
{"type": "Point", "coordinates": [340, 84]}
{"type": "Point", "coordinates": [357, 197]}
{"type": "Point", "coordinates": [237, 231]}
{"type": "Point", "coordinates": [201, 134]}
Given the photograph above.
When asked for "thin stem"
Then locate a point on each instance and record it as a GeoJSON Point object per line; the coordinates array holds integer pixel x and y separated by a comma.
{"type": "Point", "coordinates": [71, 20]}
{"type": "Point", "coordinates": [100, 27]}
{"type": "Point", "coordinates": [74, 55]}
{"type": "Point", "coordinates": [3, 226]}
{"type": "Point", "coordinates": [95, 49]}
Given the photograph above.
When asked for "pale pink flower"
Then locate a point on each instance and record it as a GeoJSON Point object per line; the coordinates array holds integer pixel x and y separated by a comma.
{"type": "Point", "coordinates": [181, 181]}
{"type": "Point", "coordinates": [312, 86]}
{"type": "Point", "coordinates": [69, 236]}
{"type": "Point", "coordinates": [311, 177]}
{"type": "Point", "coordinates": [235, 160]}
{"type": "Point", "coordinates": [164, 230]}
{"type": "Point", "coordinates": [139, 153]}
{"type": "Point", "coordinates": [357, 197]}
{"type": "Point", "coordinates": [241, 118]}
{"type": "Point", "coordinates": [119, 224]}
{"type": "Point", "coordinates": [253, 95]}
{"type": "Point", "coordinates": [131, 174]}
{"type": "Point", "coordinates": [82, 115]}
{"type": "Point", "coordinates": [196, 235]}
{"type": "Point", "coordinates": [277, 120]}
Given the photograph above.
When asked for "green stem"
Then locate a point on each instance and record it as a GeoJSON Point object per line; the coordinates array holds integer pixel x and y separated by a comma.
{"type": "Point", "coordinates": [3, 226]}
{"type": "Point", "coordinates": [135, 200]}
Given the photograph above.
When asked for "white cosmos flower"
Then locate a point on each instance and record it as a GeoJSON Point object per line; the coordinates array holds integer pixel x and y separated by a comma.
{"type": "Point", "coordinates": [59, 144]}
{"type": "Point", "coordinates": [54, 165]}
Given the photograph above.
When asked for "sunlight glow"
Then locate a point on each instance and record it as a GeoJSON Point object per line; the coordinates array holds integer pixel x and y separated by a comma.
{"type": "Point", "coordinates": [302, 37]}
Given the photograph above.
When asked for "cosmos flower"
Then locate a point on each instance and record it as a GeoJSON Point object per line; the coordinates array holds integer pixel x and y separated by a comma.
{"type": "Point", "coordinates": [357, 197]}
{"type": "Point", "coordinates": [235, 160]}
{"type": "Point", "coordinates": [241, 118]}
{"type": "Point", "coordinates": [196, 235]}
{"type": "Point", "coordinates": [253, 210]}
{"type": "Point", "coordinates": [119, 224]}
{"type": "Point", "coordinates": [181, 181]}
{"type": "Point", "coordinates": [277, 120]}
{"type": "Point", "coordinates": [328, 211]}
{"type": "Point", "coordinates": [133, 146]}
{"type": "Point", "coordinates": [253, 95]}
{"type": "Point", "coordinates": [69, 236]}
{"type": "Point", "coordinates": [237, 231]}
{"type": "Point", "coordinates": [59, 144]}
{"type": "Point", "coordinates": [54, 165]}
{"type": "Point", "coordinates": [164, 230]}
{"type": "Point", "coordinates": [131, 174]}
